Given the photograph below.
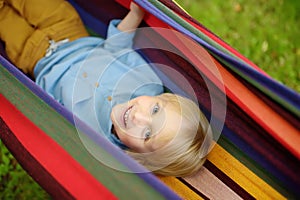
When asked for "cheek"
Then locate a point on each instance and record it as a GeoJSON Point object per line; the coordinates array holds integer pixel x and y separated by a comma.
{"type": "Point", "coordinates": [123, 135]}
{"type": "Point", "coordinates": [130, 141]}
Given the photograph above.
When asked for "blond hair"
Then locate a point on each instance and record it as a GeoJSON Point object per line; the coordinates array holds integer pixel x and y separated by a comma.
{"type": "Point", "coordinates": [186, 152]}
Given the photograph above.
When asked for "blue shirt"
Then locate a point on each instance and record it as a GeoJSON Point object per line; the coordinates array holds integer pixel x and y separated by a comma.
{"type": "Point", "coordinates": [91, 75]}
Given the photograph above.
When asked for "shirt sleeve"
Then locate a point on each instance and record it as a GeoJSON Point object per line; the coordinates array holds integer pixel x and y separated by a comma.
{"type": "Point", "coordinates": [116, 39]}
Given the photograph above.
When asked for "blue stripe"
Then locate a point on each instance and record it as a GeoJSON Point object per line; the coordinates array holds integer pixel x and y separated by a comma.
{"type": "Point", "coordinates": [90, 21]}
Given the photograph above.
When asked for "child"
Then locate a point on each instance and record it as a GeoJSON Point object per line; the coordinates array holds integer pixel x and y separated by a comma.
{"type": "Point", "coordinates": [105, 83]}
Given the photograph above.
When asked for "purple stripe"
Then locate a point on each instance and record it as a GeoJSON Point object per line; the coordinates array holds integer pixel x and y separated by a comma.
{"type": "Point", "coordinates": [269, 85]}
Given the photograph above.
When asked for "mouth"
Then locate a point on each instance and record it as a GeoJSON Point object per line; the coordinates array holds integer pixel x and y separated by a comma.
{"type": "Point", "coordinates": [126, 116]}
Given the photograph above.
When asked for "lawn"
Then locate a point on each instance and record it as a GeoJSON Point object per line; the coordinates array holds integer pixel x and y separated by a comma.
{"type": "Point", "coordinates": [265, 31]}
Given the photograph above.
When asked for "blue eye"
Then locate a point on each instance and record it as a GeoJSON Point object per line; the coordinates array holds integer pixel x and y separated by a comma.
{"type": "Point", "coordinates": [155, 108]}
{"type": "Point", "coordinates": [147, 135]}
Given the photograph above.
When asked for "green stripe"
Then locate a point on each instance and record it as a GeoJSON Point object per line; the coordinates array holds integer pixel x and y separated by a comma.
{"type": "Point", "coordinates": [253, 166]}
{"type": "Point", "coordinates": [207, 39]}
{"type": "Point", "coordinates": [123, 185]}
{"type": "Point", "coordinates": [188, 26]}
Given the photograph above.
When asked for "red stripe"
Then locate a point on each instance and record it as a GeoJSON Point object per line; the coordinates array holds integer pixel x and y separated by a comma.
{"type": "Point", "coordinates": [29, 163]}
{"type": "Point", "coordinates": [226, 46]}
{"type": "Point", "coordinates": [67, 171]}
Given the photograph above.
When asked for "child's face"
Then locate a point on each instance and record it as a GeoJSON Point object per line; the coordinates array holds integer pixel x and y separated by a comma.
{"type": "Point", "coordinates": [145, 123]}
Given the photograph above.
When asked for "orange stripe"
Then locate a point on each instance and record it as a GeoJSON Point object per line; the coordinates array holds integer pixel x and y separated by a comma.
{"type": "Point", "coordinates": [242, 175]}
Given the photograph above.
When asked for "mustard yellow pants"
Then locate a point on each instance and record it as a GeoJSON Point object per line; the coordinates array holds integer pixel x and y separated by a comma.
{"type": "Point", "coordinates": [27, 26]}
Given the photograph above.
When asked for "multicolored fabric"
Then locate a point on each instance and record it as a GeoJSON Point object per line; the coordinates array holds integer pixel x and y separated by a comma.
{"type": "Point", "coordinates": [256, 156]}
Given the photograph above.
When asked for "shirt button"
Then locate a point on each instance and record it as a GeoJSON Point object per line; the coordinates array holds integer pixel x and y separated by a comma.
{"type": "Point", "coordinates": [96, 84]}
{"type": "Point", "coordinates": [109, 98]}
{"type": "Point", "coordinates": [84, 74]}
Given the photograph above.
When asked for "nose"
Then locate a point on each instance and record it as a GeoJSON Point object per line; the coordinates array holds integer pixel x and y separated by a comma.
{"type": "Point", "coordinates": [141, 117]}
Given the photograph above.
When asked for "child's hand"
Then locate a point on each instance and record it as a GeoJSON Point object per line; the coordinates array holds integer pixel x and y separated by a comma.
{"type": "Point", "coordinates": [136, 10]}
{"type": "Point", "coordinates": [132, 20]}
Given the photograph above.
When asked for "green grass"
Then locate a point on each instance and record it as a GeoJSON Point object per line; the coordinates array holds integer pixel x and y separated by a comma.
{"type": "Point", "coordinates": [265, 31]}
{"type": "Point", "coordinates": [14, 182]}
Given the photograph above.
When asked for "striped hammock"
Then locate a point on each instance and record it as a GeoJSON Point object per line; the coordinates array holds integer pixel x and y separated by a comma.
{"type": "Point", "coordinates": [256, 155]}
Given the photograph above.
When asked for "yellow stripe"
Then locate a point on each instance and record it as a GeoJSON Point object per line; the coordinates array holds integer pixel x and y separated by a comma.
{"type": "Point", "coordinates": [174, 1]}
{"type": "Point", "coordinates": [242, 175]}
{"type": "Point", "coordinates": [181, 189]}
